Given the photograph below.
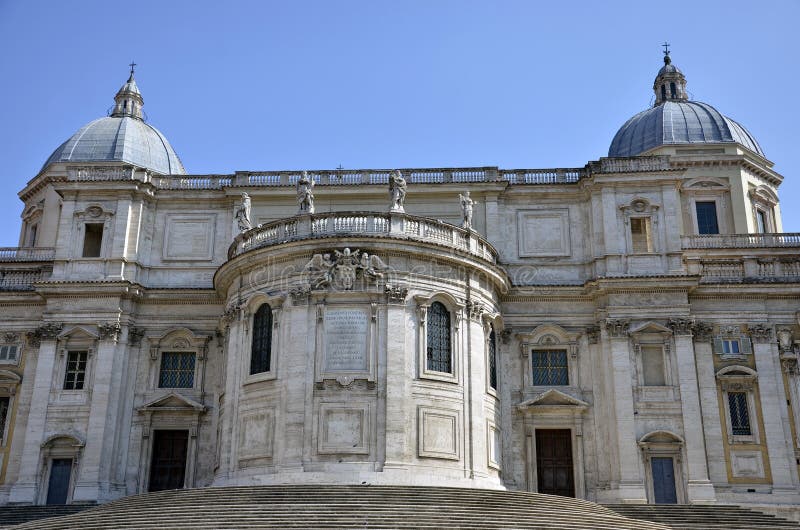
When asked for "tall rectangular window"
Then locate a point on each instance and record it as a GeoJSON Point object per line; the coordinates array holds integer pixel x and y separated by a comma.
{"type": "Point", "coordinates": [439, 355]}
{"type": "Point", "coordinates": [740, 417]}
{"type": "Point", "coordinates": [177, 370]}
{"type": "Point", "coordinates": [706, 217]}
{"type": "Point", "coordinates": [92, 240]}
{"type": "Point", "coordinates": [5, 402]}
{"type": "Point", "coordinates": [653, 366]}
{"type": "Point", "coordinates": [550, 368]}
{"type": "Point", "coordinates": [641, 239]}
{"type": "Point", "coordinates": [492, 360]}
{"type": "Point", "coordinates": [75, 374]}
{"type": "Point", "coordinates": [761, 220]}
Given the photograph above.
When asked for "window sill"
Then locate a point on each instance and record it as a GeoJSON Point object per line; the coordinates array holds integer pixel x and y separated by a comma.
{"type": "Point", "coordinates": [259, 378]}
{"type": "Point", "coordinates": [439, 376]}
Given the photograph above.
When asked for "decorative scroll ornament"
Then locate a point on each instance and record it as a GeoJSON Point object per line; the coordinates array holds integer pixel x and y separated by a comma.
{"type": "Point", "coordinates": [395, 294]}
{"type": "Point", "coordinates": [474, 309]}
{"type": "Point", "coordinates": [681, 326]}
{"type": "Point", "coordinates": [109, 331]}
{"type": "Point", "coordinates": [135, 336]}
{"type": "Point", "coordinates": [761, 332]}
{"type": "Point", "coordinates": [702, 331]}
{"type": "Point", "coordinates": [617, 328]}
{"type": "Point", "coordinates": [10, 337]}
{"type": "Point", "coordinates": [593, 334]}
{"type": "Point", "coordinates": [343, 269]}
{"type": "Point", "coordinates": [49, 331]}
{"type": "Point", "coordinates": [300, 294]}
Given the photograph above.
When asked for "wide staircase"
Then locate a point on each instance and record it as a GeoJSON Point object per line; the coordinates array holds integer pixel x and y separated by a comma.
{"type": "Point", "coordinates": [321, 506]}
{"type": "Point", "coordinates": [12, 515]}
{"type": "Point", "coordinates": [704, 517]}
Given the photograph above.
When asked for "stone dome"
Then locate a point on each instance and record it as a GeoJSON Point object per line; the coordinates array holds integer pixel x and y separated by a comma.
{"type": "Point", "coordinates": [122, 137]}
{"type": "Point", "coordinates": [675, 120]}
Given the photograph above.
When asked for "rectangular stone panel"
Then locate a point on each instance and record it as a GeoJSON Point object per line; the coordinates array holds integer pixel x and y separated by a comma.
{"type": "Point", "coordinates": [438, 433]}
{"type": "Point", "coordinates": [189, 237]}
{"type": "Point", "coordinates": [747, 464]}
{"type": "Point", "coordinates": [346, 341]}
{"type": "Point", "coordinates": [256, 434]}
{"type": "Point", "coordinates": [344, 428]}
{"type": "Point", "coordinates": [543, 233]}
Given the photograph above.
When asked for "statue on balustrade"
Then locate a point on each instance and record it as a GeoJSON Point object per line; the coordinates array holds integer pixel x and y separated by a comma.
{"type": "Point", "coordinates": [466, 210]}
{"type": "Point", "coordinates": [397, 191]}
{"type": "Point", "coordinates": [243, 214]}
{"type": "Point", "coordinates": [305, 193]}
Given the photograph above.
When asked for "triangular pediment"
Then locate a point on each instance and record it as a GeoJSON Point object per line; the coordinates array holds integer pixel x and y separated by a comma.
{"type": "Point", "coordinates": [172, 402]}
{"type": "Point", "coordinates": [553, 398]}
{"type": "Point", "coordinates": [649, 327]}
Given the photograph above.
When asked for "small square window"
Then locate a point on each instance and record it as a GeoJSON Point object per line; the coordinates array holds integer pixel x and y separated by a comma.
{"type": "Point", "coordinates": [177, 370]}
{"type": "Point", "coordinates": [550, 368]}
{"type": "Point", "coordinates": [92, 240]}
{"type": "Point", "coordinates": [75, 374]}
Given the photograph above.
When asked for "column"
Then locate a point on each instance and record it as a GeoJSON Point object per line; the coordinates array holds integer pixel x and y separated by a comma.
{"type": "Point", "coordinates": [25, 489]}
{"type": "Point", "coordinates": [699, 488]}
{"type": "Point", "coordinates": [775, 413]}
{"type": "Point", "coordinates": [400, 410]}
{"type": "Point", "coordinates": [232, 319]}
{"type": "Point", "coordinates": [475, 387]}
{"type": "Point", "coordinates": [709, 404]}
{"type": "Point", "coordinates": [631, 485]}
{"type": "Point", "coordinates": [93, 479]}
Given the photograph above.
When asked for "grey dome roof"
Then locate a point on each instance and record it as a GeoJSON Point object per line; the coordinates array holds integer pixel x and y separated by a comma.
{"type": "Point", "coordinates": [678, 122]}
{"type": "Point", "coordinates": [120, 139]}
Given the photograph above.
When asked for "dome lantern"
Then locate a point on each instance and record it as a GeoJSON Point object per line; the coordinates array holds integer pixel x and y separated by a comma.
{"type": "Point", "coordinates": [670, 83]}
{"type": "Point", "coordinates": [128, 101]}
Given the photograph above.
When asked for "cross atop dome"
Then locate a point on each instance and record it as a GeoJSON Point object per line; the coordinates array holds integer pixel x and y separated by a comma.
{"type": "Point", "coordinates": [670, 83]}
{"type": "Point", "coordinates": [128, 101]}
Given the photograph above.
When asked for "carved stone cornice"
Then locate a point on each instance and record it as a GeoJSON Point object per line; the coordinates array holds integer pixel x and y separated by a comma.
{"type": "Point", "coordinates": [702, 331]}
{"type": "Point", "coordinates": [593, 334]}
{"type": "Point", "coordinates": [109, 331]}
{"type": "Point", "coordinates": [395, 294]}
{"type": "Point", "coordinates": [617, 328]}
{"type": "Point", "coordinates": [681, 326]}
{"type": "Point", "coordinates": [474, 309]}
{"type": "Point", "coordinates": [135, 336]}
{"type": "Point", "coordinates": [761, 332]}
{"type": "Point", "coordinates": [49, 331]}
{"type": "Point", "coordinates": [9, 337]}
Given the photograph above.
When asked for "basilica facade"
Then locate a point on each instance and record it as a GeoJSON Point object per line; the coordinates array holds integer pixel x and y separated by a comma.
{"type": "Point", "coordinates": [624, 331]}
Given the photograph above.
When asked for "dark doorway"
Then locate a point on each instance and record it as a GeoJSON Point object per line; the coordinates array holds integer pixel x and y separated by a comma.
{"type": "Point", "coordinates": [663, 480]}
{"type": "Point", "coordinates": [554, 462]}
{"type": "Point", "coordinates": [168, 469]}
{"type": "Point", "coordinates": [58, 485]}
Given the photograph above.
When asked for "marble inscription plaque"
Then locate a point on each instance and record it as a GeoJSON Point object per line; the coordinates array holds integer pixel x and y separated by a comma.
{"type": "Point", "coordinates": [346, 341]}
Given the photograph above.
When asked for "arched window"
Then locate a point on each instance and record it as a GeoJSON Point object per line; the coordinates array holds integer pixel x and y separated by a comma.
{"type": "Point", "coordinates": [439, 356]}
{"type": "Point", "coordinates": [492, 359]}
{"type": "Point", "coordinates": [672, 90]}
{"type": "Point", "coordinates": [260, 353]}
{"type": "Point", "coordinates": [663, 92]}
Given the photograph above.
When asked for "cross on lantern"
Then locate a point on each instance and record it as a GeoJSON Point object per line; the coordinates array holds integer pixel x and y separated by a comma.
{"type": "Point", "coordinates": [666, 48]}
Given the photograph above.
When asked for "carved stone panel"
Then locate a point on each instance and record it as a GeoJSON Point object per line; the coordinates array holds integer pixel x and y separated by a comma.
{"type": "Point", "coordinates": [346, 348]}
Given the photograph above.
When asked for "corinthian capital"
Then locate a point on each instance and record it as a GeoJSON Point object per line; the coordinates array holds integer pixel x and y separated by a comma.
{"type": "Point", "coordinates": [681, 326]}
{"type": "Point", "coordinates": [761, 332]}
{"type": "Point", "coordinates": [617, 328]}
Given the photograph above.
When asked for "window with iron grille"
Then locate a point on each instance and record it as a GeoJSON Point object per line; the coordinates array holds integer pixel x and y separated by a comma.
{"type": "Point", "coordinates": [550, 368]}
{"type": "Point", "coordinates": [5, 401]}
{"type": "Point", "coordinates": [261, 348]}
{"type": "Point", "coordinates": [740, 417]}
{"type": "Point", "coordinates": [75, 374]}
{"type": "Point", "coordinates": [439, 351]}
{"type": "Point", "coordinates": [492, 359]}
{"type": "Point", "coordinates": [177, 370]}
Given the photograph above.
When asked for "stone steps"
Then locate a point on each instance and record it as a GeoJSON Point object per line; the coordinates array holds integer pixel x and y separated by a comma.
{"type": "Point", "coordinates": [322, 506]}
{"type": "Point", "coordinates": [12, 515]}
{"type": "Point", "coordinates": [704, 517]}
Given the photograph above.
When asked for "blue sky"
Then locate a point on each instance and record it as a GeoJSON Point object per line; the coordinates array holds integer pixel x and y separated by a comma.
{"type": "Point", "coordinates": [375, 84]}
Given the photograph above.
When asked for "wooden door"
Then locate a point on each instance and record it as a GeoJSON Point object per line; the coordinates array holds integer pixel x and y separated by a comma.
{"type": "Point", "coordinates": [168, 469]}
{"type": "Point", "coordinates": [554, 470]}
{"type": "Point", "coordinates": [58, 484]}
{"type": "Point", "coordinates": [663, 480]}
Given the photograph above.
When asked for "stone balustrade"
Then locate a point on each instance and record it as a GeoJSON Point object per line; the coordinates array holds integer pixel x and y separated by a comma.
{"type": "Point", "coordinates": [354, 177]}
{"type": "Point", "coordinates": [21, 279]}
{"type": "Point", "coordinates": [745, 269]}
{"type": "Point", "coordinates": [720, 241]}
{"type": "Point", "coordinates": [371, 224]}
{"type": "Point", "coordinates": [26, 254]}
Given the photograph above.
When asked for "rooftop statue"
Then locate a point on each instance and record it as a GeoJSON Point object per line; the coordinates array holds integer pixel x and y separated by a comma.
{"type": "Point", "coordinates": [305, 194]}
{"type": "Point", "coordinates": [397, 191]}
{"type": "Point", "coordinates": [466, 210]}
{"type": "Point", "coordinates": [243, 214]}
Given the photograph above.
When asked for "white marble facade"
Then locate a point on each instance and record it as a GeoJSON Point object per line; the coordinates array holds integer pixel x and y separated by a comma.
{"type": "Point", "coordinates": [611, 322]}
